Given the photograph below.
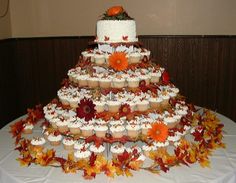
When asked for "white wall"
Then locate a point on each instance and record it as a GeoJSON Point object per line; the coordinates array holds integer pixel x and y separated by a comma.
{"type": "Point", "coordinates": [36, 18]}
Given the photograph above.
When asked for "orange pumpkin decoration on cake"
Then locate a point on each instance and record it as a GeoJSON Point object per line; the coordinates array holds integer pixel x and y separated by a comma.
{"type": "Point", "coordinates": [115, 10]}
{"type": "Point", "coordinates": [118, 61]}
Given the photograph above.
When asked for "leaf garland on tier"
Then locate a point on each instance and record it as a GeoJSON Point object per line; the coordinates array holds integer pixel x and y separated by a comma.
{"type": "Point", "coordinates": [207, 134]}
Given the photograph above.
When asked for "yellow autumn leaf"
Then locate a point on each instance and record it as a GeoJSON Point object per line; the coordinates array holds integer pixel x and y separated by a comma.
{"type": "Point", "coordinates": [204, 163]}
{"type": "Point", "coordinates": [110, 170]}
{"type": "Point", "coordinates": [135, 165]}
{"type": "Point", "coordinates": [128, 173]}
{"type": "Point", "coordinates": [119, 171]}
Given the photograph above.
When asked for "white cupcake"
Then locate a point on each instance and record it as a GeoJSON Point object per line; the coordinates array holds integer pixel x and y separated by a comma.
{"type": "Point", "coordinates": [88, 55]}
{"type": "Point", "coordinates": [165, 102]}
{"type": "Point", "coordinates": [146, 78]}
{"type": "Point", "coordinates": [146, 53]}
{"type": "Point", "coordinates": [133, 82]}
{"type": "Point", "coordinates": [97, 150]}
{"type": "Point", "coordinates": [63, 98]}
{"type": "Point", "coordinates": [82, 155]}
{"type": "Point", "coordinates": [68, 143]}
{"type": "Point", "coordinates": [28, 128]}
{"type": "Point", "coordinates": [105, 82]}
{"type": "Point", "coordinates": [155, 102]}
{"type": "Point", "coordinates": [99, 59]}
{"type": "Point", "coordinates": [55, 139]}
{"type": "Point", "coordinates": [99, 106]}
{"type": "Point", "coordinates": [87, 130]}
{"type": "Point", "coordinates": [117, 131]}
{"type": "Point", "coordinates": [170, 121]}
{"type": "Point", "coordinates": [174, 138]}
{"type": "Point", "coordinates": [38, 142]}
{"type": "Point", "coordinates": [100, 130]}
{"type": "Point", "coordinates": [145, 127]}
{"type": "Point", "coordinates": [118, 82]}
{"type": "Point", "coordinates": [82, 80]}
{"type": "Point", "coordinates": [117, 149]}
{"type": "Point", "coordinates": [113, 106]}
{"type": "Point", "coordinates": [142, 105]}
{"type": "Point", "coordinates": [62, 125]}
{"type": "Point", "coordinates": [133, 130]}
{"type": "Point", "coordinates": [54, 121]}
{"type": "Point", "coordinates": [74, 127]}
{"type": "Point", "coordinates": [162, 145]}
{"type": "Point", "coordinates": [134, 148]}
{"type": "Point", "coordinates": [134, 58]}
{"type": "Point", "coordinates": [78, 145]}
{"type": "Point", "coordinates": [155, 76]}
{"type": "Point", "coordinates": [93, 82]}
{"type": "Point", "coordinates": [148, 148]}
{"type": "Point", "coordinates": [132, 105]}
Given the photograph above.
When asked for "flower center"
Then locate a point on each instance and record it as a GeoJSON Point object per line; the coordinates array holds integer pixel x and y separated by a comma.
{"type": "Point", "coordinates": [87, 109]}
{"type": "Point", "coordinates": [118, 61]}
{"type": "Point", "coordinates": [125, 109]}
{"type": "Point", "coordinates": [158, 132]}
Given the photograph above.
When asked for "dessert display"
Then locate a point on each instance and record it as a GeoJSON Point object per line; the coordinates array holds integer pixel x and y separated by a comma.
{"type": "Point", "coordinates": [117, 110]}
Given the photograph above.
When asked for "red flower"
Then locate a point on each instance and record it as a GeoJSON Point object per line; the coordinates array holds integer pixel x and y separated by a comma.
{"type": "Point", "coordinates": [165, 77]}
{"type": "Point", "coordinates": [124, 110]}
{"type": "Point", "coordinates": [86, 109]}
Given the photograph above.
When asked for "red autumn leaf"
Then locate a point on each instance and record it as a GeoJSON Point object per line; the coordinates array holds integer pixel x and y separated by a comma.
{"type": "Point", "coordinates": [61, 160]}
{"type": "Point", "coordinates": [106, 38]}
{"type": "Point", "coordinates": [123, 157]}
{"type": "Point", "coordinates": [17, 128]}
{"type": "Point", "coordinates": [162, 165]}
{"type": "Point", "coordinates": [65, 82]}
{"type": "Point", "coordinates": [23, 145]}
{"type": "Point", "coordinates": [198, 134]}
{"type": "Point", "coordinates": [165, 77]}
{"type": "Point", "coordinates": [92, 159]}
{"type": "Point", "coordinates": [125, 38]}
{"type": "Point", "coordinates": [97, 140]}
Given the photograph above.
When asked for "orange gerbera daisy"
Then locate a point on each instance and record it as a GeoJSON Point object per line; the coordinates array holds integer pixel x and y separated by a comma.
{"type": "Point", "coordinates": [118, 61]}
{"type": "Point", "coordinates": [158, 132]}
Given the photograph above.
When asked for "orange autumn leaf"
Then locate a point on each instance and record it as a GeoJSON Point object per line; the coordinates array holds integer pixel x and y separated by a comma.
{"type": "Point", "coordinates": [70, 166]}
{"type": "Point", "coordinates": [45, 159]}
{"type": "Point", "coordinates": [118, 61]}
{"type": "Point", "coordinates": [115, 10]}
{"type": "Point", "coordinates": [158, 132]}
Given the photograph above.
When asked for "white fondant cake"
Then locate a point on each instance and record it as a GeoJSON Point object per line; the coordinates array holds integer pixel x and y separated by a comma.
{"type": "Point", "coordinates": [116, 31]}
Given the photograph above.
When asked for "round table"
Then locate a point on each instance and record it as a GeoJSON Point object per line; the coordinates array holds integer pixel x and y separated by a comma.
{"type": "Point", "coordinates": [223, 165]}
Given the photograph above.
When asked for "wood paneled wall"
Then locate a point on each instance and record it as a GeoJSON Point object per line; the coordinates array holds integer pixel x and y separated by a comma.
{"type": "Point", "coordinates": [204, 68]}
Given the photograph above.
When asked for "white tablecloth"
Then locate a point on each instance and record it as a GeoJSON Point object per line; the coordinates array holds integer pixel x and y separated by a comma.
{"type": "Point", "coordinates": [223, 166]}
